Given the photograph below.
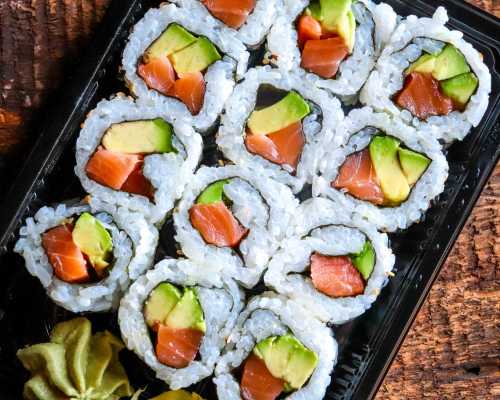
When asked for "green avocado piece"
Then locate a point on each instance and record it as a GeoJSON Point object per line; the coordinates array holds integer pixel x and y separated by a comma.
{"type": "Point", "coordinates": [160, 303]}
{"type": "Point", "coordinates": [460, 88]}
{"type": "Point", "coordinates": [384, 156]}
{"type": "Point", "coordinates": [94, 240]}
{"type": "Point", "coordinates": [449, 63]}
{"type": "Point", "coordinates": [332, 11]}
{"type": "Point", "coordinates": [290, 109]}
{"type": "Point", "coordinates": [364, 261]}
{"type": "Point", "coordinates": [288, 359]}
{"type": "Point", "coordinates": [139, 137]}
{"type": "Point", "coordinates": [424, 64]}
{"type": "Point", "coordinates": [173, 39]}
{"type": "Point", "coordinates": [413, 164]}
{"type": "Point", "coordinates": [187, 313]}
{"type": "Point", "coordinates": [346, 28]}
{"type": "Point", "coordinates": [314, 10]}
{"type": "Point", "coordinates": [212, 193]}
{"type": "Point", "coordinates": [196, 57]}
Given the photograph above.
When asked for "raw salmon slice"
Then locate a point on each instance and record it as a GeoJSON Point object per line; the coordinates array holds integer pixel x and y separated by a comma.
{"type": "Point", "coordinates": [158, 74]}
{"type": "Point", "coordinates": [137, 183]}
{"type": "Point", "coordinates": [64, 255]}
{"type": "Point", "coordinates": [257, 382]}
{"type": "Point", "coordinates": [324, 56]}
{"type": "Point", "coordinates": [336, 276]}
{"type": "Point", "coordinates": [308, 29]}
{"type": "Point", "coordinates": [110, 168]}
{"type": "Point", "coordinates": [233, 13]}
{"type": "Point", "coordinates": [358, 176]}
{"type": "Point", "coordinates": [216, 224]}
{"type": "Point", "coordinates": [190, 89]}
{"type": "Point", "coordinates": [282, 147]}
{"type": "Point", "coordinates": [177, 347]}
{"type": "Point", "coordinates": [421, 96]}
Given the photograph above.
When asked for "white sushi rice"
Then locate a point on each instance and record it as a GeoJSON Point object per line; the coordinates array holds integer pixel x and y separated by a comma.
{"type": "Point", "coordinates": [272, 315]}
{"type": "Point", "coordinates": [375, 23]}
{"type": "Point", "coordinates": [219, 77]}
{"type": "Point", "coordinates": [220, 299]}
{"type": "Point", "coordinates": [168, 173]}
{"type": "Point", "coordinates": [134, 245]}
{"type": "Point", "coordinates": [318, 126]}
{"type": "Point", "coordinates": [354, 135]}
{"type": "Point", "coordinates": [405, 47]}
{"type": "Point", "coordinates": [325, 228]}
{"type": "Point", "coordinates": [260, 204]}
{"type": "Point", "coordinates": [254, 30]}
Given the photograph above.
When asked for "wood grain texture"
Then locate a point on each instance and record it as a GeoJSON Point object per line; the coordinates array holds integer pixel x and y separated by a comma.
{"type": "Point", "coordinates": [453, 348]}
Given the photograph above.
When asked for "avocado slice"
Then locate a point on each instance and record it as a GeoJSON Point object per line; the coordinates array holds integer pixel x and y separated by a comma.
{"type": "Point", "coordinates": [460, 88]}
{"type": "Point", "coordinates": [413, 164]}
{"type": "Point", "coordinates": [144, 137]}
{"type": "Point", "coordinates": [212, 193]}
{"type": "Point", "coordinates": [173, 39]}
{"type": "Point", "coordinates": [346, 28]}
{"type": "Point", "coordinates": [384, 156]}
{"type": "Point", "coordinates": [364, 261]}
{"type": "Point", "coordinates": [177, 395]}
{"type": "Point", "coordinates": [288, 359]}
{"type": "Point", "coordinates": [449, 63]}
{"type": "Point", "coordinates": [290, 109]}
{"type": "Point", "coordinates": [332, 11]}
{"type": "Point", "coordinates": [160, 303]}
{"type": "Point", "coordinates": [424, 64]}
{"type": "Point", "coordinates": [90, 235]}
{"type": "Point", "coordinates": [196, 57]}
{"type": "Point", "coordinates": [314, 10]}
{"type": "Point", "coordinates": [187, 313]}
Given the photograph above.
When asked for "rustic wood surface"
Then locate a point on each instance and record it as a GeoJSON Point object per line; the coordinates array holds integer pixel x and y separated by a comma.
{"type": "Point", "coordinates": [453, 348]}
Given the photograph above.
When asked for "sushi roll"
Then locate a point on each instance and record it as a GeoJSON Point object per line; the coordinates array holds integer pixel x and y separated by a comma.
{"type": "Point", "coordinates": [182, 59]}
{"type": "Point", "coordinates": [231, 220]}
{"type": "Point", "coordinates": [86, 255]}
{"type": "Point", "coordinates": [335, 43]}
{"type": "Point", "coordinates": [384, 170]}
{"type": "Point", "coordinates": [276, 351]}
{"type": "Point", "coordinates": [135, 156]}
{"type": "Point", "coordinates": [177, 318]}
{"type": "Point", "coordinates": [430, 77]}
{"type": "Point", "coordinates": [250, 19]}
{"type": "Point", "coordinates": [272, 123]}
{"type": "Point", "coordinates": [336, 265]}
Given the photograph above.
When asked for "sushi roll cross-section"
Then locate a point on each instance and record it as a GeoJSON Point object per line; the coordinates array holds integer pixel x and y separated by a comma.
{"type": "Point", "coordinates": [381, 168]}
{"type": "Point", "coordinates": [177, 318]}
{"type": "Point", "coordinates": [232, 221]}
{"type": "Point", "coordinates": [276, 350]}
{"type": "Point", "coordinates": [85, 256]}
{"type": "Point", "coordinates": [175, 64]}
{"type": "Point", "coordinates": [273, 123]}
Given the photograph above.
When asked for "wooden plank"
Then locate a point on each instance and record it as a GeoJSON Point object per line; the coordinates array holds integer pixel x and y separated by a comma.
{"type": "Point", "coordinates": [453, 348]}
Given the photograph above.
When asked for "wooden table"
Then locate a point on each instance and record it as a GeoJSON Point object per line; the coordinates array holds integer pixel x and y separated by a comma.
{"type": "Point", "coordinates": [453, 349]}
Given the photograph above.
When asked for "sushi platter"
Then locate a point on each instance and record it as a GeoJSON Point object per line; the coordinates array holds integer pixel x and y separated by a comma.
{"type": "Point", "coordinates": [245, 199]}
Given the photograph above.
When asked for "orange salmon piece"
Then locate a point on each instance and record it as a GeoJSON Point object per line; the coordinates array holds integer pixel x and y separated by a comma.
{"type": "Point", "coordinates": [158, 74]}
{"type": "Point", "coordinates": [190, 89]}
{"type": "Point", "coordinates": [324, 56]}
{"type": "Point", "coordinates": [421, 96]}
{"type": "Point", "coordinates": [216, 224]}
{"type": "Point", "coordinates": [64, 255]}
{"type": "Point", "coordinates": [177, 348]}
{"type": "Point", "coordinates": [358, 176]}
{"type": "Point", "coordinates": [233, 13]}
{"type": "Point", "coordinates": [137, 183]}
{"type": "Point", "coordinates": [308, 29]}
{"type": "Point", "coordinates": [336, 276]}
{"type": "Point", "coordinates": [281, 147]}
{"type": "Point", "coordinates": [257, 383]}
{"type": "Point", "coordinates": [110, 168]}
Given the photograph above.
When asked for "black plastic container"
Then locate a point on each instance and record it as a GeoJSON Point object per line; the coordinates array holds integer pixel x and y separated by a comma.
{"type": "Point", "coordinates": [367, 344]}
